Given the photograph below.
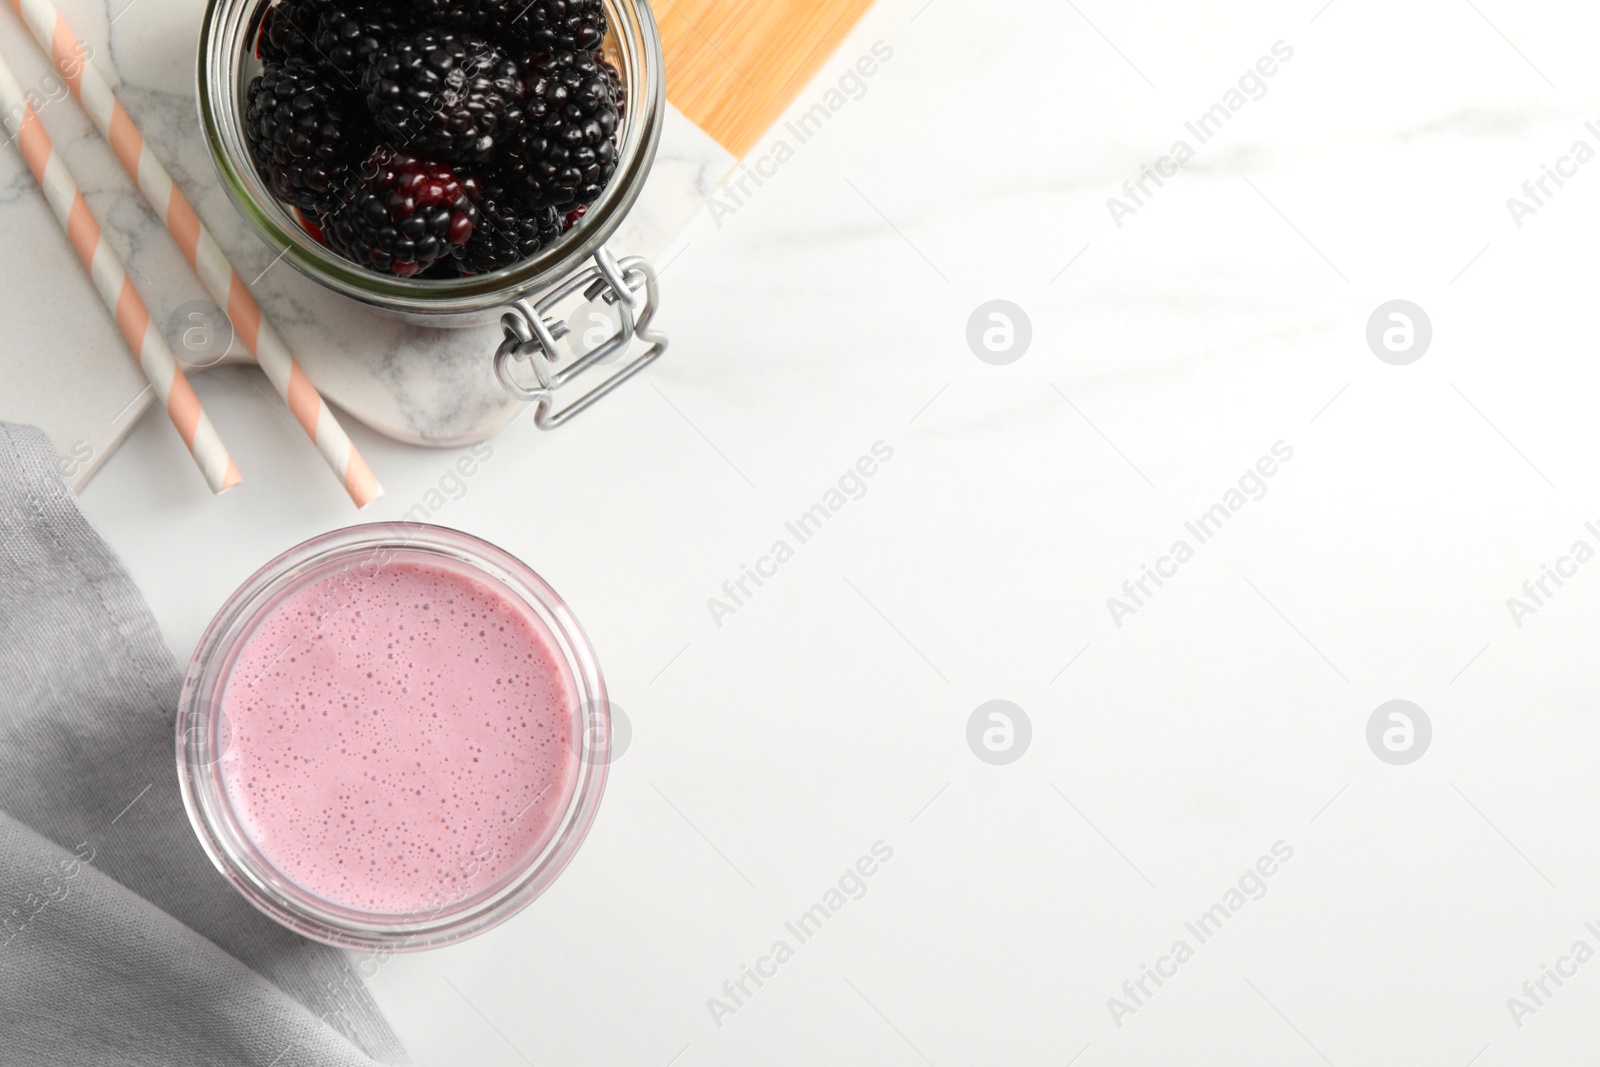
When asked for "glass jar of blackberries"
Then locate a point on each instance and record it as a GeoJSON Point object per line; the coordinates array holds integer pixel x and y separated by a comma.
{"type": "Point", "coordinates": [450, 162]}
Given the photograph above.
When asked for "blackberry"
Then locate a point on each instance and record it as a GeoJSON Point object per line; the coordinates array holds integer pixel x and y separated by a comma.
{"type": "Point", "coordinates": [448, 94]}
{"type": "Point", "coordinates": [559, 25]}
{"type": "Point", "coordinates": [350, 32]}
{"type": "Point", "coordinates": [613, 78]}
{"type": "Point", "coordinates": [405, 215]}
{"type": "Point", "coordinates": [567, 149]}
{"type": "Point", "coordinates": [304, 135]}
{"type": "Point", "coordinates": [288, 29]}
{"type": "Point", "coordinates": [484, 17]}
{"type": "Point", "coordinates": [509, 229]}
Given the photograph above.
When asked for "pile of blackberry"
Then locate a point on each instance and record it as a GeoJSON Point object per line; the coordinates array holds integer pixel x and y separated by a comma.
{"type": "Point", "coordinates": [435, 138]}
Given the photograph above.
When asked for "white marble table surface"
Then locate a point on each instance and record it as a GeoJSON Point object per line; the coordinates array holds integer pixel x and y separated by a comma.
{"type": "Point", "coordinates": [1168, 754]}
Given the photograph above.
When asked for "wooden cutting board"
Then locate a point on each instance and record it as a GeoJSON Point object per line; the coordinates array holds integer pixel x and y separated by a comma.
{"type": "Point", "coordinates": [733, 68]}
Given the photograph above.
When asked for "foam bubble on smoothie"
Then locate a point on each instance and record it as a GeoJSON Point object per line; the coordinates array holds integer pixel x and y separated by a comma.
{"type": "Point", "coordinates": [401, 737]}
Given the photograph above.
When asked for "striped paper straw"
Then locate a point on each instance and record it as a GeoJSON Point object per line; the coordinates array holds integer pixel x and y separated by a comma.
{"type": "Point", "coordinates": [115, 288]}
{"type": "Point", "coordinates": [67, 52]}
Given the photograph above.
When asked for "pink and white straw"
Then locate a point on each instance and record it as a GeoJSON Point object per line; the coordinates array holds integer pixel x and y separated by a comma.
{"type": "Point", "coordinates": [115, 288]}
{"type": "Point", "coordinates": [310, 411]}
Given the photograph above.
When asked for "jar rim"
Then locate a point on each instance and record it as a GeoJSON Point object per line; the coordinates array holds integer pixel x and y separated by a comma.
{"type": "Point", "coordinates": [203, 737]}
{"type": "Point", "coordinates": [227, 38]}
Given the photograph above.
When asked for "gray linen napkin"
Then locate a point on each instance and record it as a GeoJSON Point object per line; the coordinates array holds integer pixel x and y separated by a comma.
{"type": "Point", "coordinates": [119, 942]}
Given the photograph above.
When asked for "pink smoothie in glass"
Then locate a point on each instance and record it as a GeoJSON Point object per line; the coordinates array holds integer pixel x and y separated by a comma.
{"type": "Point", "coordinates": [399, 738]}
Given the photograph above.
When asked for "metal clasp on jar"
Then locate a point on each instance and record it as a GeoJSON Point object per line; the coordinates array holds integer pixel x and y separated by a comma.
{"type": "Point", "coordinates": [531, 337]}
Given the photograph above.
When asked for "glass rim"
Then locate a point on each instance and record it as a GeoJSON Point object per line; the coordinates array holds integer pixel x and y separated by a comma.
{"type": "Point", "coordinates": [227, 36]}
{"type": "Point", "coordinates": [199, 750]}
